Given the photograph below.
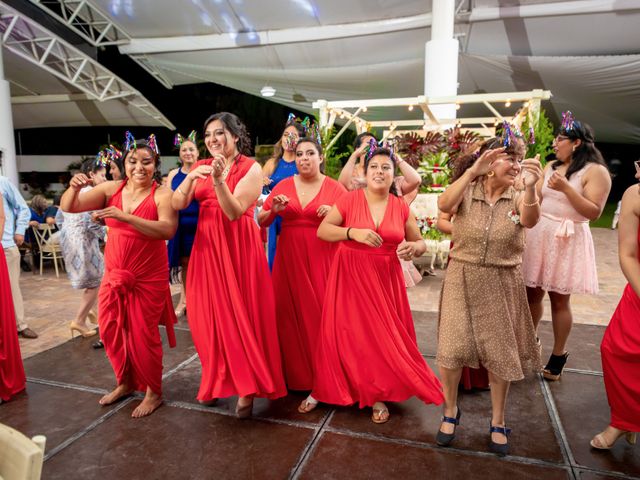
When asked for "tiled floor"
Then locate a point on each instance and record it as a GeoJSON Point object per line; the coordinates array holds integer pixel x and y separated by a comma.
{"type": "Point", "coordinates": [552, 423]}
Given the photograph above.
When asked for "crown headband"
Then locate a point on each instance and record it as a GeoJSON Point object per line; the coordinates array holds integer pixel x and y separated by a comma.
{"type": "Point", "coordinates": [130, 143]}
{"type": "Point", "coordinates": [374, 145]}
{"type": "Point", "coordinates": [179, 139]}
{"type": "Point", "coordinates": [107, 155]}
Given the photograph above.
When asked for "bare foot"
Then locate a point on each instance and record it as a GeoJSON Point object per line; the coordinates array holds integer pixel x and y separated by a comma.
{"type": "Point", "coordinates": [148, 405]}
{"type": "Point", "coordinates": [380, 413]}
{"type": "Point", "coordinates": [116, 394]}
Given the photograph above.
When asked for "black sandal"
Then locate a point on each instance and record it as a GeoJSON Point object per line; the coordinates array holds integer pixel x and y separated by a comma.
{"type": "Point", "coordinates": [97, 345]}
{"type": "Point", "coordinates": [553, 370]}
{"type": "Point", "coordinates": [445, 439]}
{"type": "Point", "coordinates": [500, 449]}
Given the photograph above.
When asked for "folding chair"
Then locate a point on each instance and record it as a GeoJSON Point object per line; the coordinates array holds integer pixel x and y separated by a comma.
{"type": "Point", "coordinates": [48, 250]}
{"type": "Point", "coordinates": [20, 457]}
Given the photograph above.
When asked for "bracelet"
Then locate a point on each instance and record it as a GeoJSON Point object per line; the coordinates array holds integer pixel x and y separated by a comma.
{"type": "Point", "coordinates": [348, 237]}
{"type": "Point", "coordinates": [537, 202]}
{"type": "Point", "coordinates": [219, 183]}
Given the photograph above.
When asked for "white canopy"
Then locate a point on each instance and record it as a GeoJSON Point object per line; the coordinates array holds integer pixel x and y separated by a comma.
{"type": "Point", "coordinates": [586, 52]}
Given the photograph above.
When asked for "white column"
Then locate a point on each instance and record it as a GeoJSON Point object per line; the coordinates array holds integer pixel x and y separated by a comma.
{"type": "Point", "coordinates": [7, 144]}
{"type": "Point", "coordinates": [441, 58]}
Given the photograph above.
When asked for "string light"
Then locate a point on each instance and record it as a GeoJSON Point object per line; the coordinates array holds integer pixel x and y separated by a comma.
{"type": "Point", "coordinates": [507, 103]}
{"type": "Point", "coordinates": [457, 106]}
{"type": "Point", "coordinates": [364, 109]}
{"type": "Point", "coordinates": [410, 108]}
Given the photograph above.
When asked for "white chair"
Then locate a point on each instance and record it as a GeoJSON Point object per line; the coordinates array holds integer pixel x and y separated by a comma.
{"type": "Point", "coordinates": [20, 458]}
{"type": "Point", "coordinates": [49, 250]}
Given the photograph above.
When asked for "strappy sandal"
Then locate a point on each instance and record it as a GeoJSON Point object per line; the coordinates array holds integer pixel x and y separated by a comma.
{"type": "Point", "coordinates": [380, 418]}
{"type": "Point", "coordinates": [553, 370]}
{"type": "Point", "coordinates": [307, 405]}
{"type": "Point", "coordinates": [602, 444]}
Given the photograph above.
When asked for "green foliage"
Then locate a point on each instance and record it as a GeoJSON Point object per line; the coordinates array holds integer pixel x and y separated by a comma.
{"type": "Point", "coordinates": [544, 137]}
{"type": "Point", "coordinates": [342, 149]}
{"type": "Point", "coordinates": [434, 170]}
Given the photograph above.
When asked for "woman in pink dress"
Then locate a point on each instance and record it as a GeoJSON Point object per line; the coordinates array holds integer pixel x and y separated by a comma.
{"type": "Point", "coordinates": [12, 377]}
{"type": "Point", "coordinates": [621, 343]}
{"type": "Point", "coordinates": [229, 290]}
{"type": "Point", "coordinates": [302, 260]}
{"type": "Point", "coordinates": [559, 257]}
{"type": "Point", "coordinates": [367, 351]}
{"type": "Point", "coordinates": [134, 297]}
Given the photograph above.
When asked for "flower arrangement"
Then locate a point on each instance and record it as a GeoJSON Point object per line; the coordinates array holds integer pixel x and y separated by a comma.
{"type": "Point", "coordinates": [428, 229]}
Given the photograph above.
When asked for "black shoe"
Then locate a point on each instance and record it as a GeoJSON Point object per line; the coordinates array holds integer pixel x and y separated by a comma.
{"type": "Point", "coordinates": [500, 449]}
{"type": "Point", "coordinates": [445, 439]}
{"type": "Point", "coordinates": [97, 345]}
{"type": "Point", "coordinates": [553, 370]}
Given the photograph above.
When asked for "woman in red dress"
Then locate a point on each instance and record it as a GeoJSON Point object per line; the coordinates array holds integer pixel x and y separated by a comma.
{"type": "Point", "coordinates": [229, 291]}
{"type": "Point", "coordinates": [302, 260]}
{"type": "Point", "coordinates": [12, 378]}
{"type": "Point", "coordinates": [367, 351]}
{"type": "Point", "coordinates": [620, 347]}
{"type": "Point", "coordinates": [134, 295]}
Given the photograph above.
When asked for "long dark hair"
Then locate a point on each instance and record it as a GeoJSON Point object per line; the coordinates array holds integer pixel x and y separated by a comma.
{"type": "Point", "coordinates": [386, 153]}
{"type": "Point", "coordinates": [238, 129]}
{"type": "Point", "coordinates": [278, 150]}
{"type": "Point", "coordinates": [515, 148]}
{"type": "Point", "coordinates": [316, 145]}
{"type": "Point", "coordinates": [586, 151]}
{"type": "Point", "coordinates": [90, 166]}
{"type": "Point", "coordinates": [142, 143]}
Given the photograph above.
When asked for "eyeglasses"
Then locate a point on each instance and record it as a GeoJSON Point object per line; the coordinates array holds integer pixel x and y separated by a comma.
{"type": "Point", "coordinates": [561, 137]}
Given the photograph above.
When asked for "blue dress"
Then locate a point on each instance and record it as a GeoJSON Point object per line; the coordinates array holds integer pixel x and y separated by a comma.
{"type": "Point", "coordinates": [283, 170]}
{"type": "Point", "coordinates": [180, 245]}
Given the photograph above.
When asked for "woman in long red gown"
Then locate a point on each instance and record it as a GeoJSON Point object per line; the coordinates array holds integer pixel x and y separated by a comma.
{"type": "Point", "coordinates": [12, 378]}
{"type": "Point", "coordinates": [302, 260]}
{"type": "Point", "coordinates": [367, 351]}
{"type": "Point", "coordinates": [229, 291]}
{"type": "Point", "coordinates": [620, 347]}
{"type": "Point", "coordinates": [134, 295]}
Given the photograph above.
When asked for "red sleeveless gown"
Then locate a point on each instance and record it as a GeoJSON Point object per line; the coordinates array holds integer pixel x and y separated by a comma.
{"type": "Point", "coordinates": [135, 298]}
{"type": "Point", "coordinates": [620, 351]}
{"type": "Point", "coordinates": [300, 274]}
{"type": "Point", "coordinates": [230, 299]}
{"type": "Point", "coordinates": [367, 350]}
{"type": "Point", "coordinates": [12, 378]}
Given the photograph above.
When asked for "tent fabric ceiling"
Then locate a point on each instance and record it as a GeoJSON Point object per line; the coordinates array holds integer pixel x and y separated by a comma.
{"type": "Point", "coordinates": [589, 59]}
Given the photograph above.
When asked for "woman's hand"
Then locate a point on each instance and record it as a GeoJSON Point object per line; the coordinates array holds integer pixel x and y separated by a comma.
{"type": "Point", "coordinates": [366, 236]}
{"type": "Point", "coordinates": [531, 171]}
{"type": "Point", "coordinates": [79, 181]}
{"type": "Point", "coordinates": [96, 219]}
{"type": "Point", "coordinates": [406, 250]}
{"type": "Point", "coordinates": [201, 171]}
{"type": "Point", "coordinates": [266, 181]}
{"type": "Point", "coordinates": [323, 210]}
{"type": "Point", "coordinates": [482, 166]}
{"type": "Point", "coordinates": [111, 212]}
{"type": "Point", "coordinates": [218, 164]}
{"type": "Point", "coordinates": [34, 223]}
{"type": "Point", "coordinates": [558, 182]}
{"type": "Point", "coordinates": [280, 202]}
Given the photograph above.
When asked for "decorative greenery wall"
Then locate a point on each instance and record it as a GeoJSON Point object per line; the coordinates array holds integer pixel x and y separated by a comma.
{"type": "Point", "coordinates": [543, 135]}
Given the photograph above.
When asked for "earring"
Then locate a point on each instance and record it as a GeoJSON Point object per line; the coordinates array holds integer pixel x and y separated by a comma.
{"type": "Point", "coordinates": [574, 148]}
{"type": "Point", "coordinates": [491, 173]}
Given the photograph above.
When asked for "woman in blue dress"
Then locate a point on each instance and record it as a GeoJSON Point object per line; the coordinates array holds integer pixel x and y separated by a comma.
{"type": "Point", "coordinates": [180, 245]}
{"type": "Point", "coordinates": [282, 165]}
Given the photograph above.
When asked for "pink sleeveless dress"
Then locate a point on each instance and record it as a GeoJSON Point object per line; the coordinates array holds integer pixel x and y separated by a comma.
{"type": "Point", "coordinates": [559, 254]}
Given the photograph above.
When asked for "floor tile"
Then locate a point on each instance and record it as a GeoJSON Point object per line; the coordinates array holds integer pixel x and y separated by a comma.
{"type": "Point", "coordinates": [341, 456]}
{"type": "Point", "coordinates": [58, 413]}
{"type": "Point", "coordinates": [181, 443]}
{"type": "Point", "coordinates": [582, 405]}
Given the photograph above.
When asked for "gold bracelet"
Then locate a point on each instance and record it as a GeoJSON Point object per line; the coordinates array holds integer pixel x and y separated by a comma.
{"type": "Point", "coordinates": [537, 202]}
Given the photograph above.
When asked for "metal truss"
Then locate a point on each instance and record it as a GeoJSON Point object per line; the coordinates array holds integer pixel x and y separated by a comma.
{"type": "Point", "coordinates": [86, 20]}
{"type": "Point", "coordinates": [28, 39]}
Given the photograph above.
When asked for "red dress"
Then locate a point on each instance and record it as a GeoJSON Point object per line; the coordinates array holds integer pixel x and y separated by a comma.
{"type": "Point", "coordinates": [620, 351]}
{"type": "Point", "coordinates": [230, 300]}
{"type": "Point", "coordinates": [367, 350]}
{"type": "Point", "coordinates": [12, 378]}
{"type": "Point", "coordinates": [135, 298]}
{"type": "Point", "coordinates": [300, 274]}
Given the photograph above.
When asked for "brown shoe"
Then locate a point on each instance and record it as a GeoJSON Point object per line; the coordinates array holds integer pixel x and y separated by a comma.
{"type": "Point", "coordinates": [27, 333]}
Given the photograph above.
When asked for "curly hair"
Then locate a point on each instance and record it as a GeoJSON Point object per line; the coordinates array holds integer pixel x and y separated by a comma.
{"type": "Point", "coordinates": [142, 143]}
{"type": "Point", "coordinates": [386, 153]}
{"type": "Point", "coordinates": [585, 153]}
{"type": "Point", "coordinates": [464, 162]}
{"type": "Point", "coordinates": [238, 129]}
